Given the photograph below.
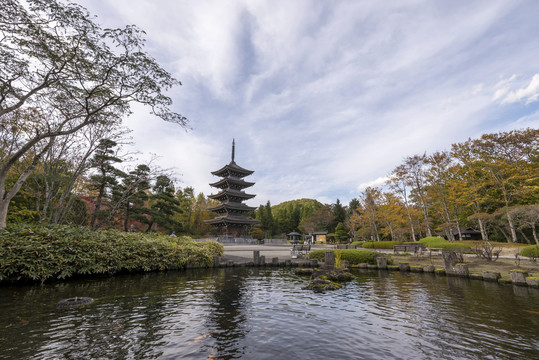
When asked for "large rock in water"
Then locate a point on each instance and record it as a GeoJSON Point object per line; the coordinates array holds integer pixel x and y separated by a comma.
{"type": "Point", "coordinates": [450, 259]}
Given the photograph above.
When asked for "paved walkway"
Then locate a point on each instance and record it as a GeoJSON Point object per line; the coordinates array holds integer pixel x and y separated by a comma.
{"type": "Point", "coordinates": [244, 253]}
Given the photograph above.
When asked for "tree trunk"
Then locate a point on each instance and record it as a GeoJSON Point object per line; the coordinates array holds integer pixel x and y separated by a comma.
{"type": "Point", "coordinates": [4, 205]}
{"type": "Point", "coordinates": [525, 237]}
{"type": "Point", "coordinates": [511, 227]}
{"type": "Point", "coordinates": [483, 230]}
{"type": "Point", "coordinates": [535, 235]}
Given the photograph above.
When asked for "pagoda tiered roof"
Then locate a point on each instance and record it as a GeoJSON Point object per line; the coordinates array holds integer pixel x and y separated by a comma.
{"type": "Point", "coordinates": [232, 169]}
{"type": "Point", "coordinates": [231, 206]}
{"type": "Point", "coordinates": [236, 220]}
{"type": "Point", "coordinates": [232, 182]}
{"type": "Point", "coordinates": [231, 194]}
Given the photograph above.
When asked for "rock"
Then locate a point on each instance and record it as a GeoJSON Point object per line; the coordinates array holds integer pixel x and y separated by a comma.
{"type": "Point", "coordinates": [416, 268]}
{"type": "Point", "coordinates": [404, 267]}
{"type": "Point", "coordinates": [304, 271]}
{"type": "Point", "coordinates": [76, 301]}
{"type": "Point", "coordinates": [329, 258]}
{"type": "Point", "coordinates": [428, 268]}
{"type": "Point", "coordinates": [461, 270]}
{"type": "Point", "coordinates": [491, 275]}
{"type": "Point", "coordinates": [532, 281]}
{"type": "Point", "coordinates": [518, 277]}
{"type": "Point", "coordinates": [381, 262]}
{"type": "Point", "coordinates": [439, 271]}
{"type": "Point", "coordinates": [321, 284]}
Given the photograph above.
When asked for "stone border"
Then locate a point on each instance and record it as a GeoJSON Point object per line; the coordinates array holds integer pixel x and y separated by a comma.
{"type": "Point", "coordinates": [518, 277]}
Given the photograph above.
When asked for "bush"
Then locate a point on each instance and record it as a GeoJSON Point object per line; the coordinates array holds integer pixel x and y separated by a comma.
{"type": "Point", "coordinates": [58, 252]}
{"type": "Point", "coordinates": [438, 242]}
{"type": "Point", "coordinates": [530, 251]}
{"type": "Point", "coordinates": [381, 244]}
{"type": "Point", "coordinates": [353, 256]}
{"type": "Point", "coordinates": [358, 243]}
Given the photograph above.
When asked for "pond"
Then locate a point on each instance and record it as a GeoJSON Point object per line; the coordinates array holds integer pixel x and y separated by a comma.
{"type": "Point", "coordinates": [263, 313]}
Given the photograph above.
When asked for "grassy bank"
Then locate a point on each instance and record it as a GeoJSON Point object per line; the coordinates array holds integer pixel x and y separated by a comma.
{"type": "Point", "coordinates": [353, 256]}
{"type": "Point", "coordinates": [40, 253]}
{"type": "Point", "coordinates": [475, 264]}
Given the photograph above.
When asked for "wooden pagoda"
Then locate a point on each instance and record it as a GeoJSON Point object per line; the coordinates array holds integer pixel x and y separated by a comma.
{"type": "Point", "coordinates": [231, 220]}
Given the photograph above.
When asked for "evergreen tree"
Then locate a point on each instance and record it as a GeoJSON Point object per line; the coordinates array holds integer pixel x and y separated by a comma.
{"type": "Point", "coordinates": [341, 234]}
{"type": "Point", "coordinates": [164, 205]}
{"type": "Point", "coordinates": [105, 179]}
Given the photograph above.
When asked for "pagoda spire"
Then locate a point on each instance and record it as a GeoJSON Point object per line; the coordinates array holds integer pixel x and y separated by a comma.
{"type": "Point", "coordinates": [233, 149]}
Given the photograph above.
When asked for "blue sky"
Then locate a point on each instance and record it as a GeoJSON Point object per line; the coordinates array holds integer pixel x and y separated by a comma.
{"type": "Point", "coordinates": [327, 97]}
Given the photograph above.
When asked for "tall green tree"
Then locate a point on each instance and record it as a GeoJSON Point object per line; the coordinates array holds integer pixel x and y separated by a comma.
{"type": "Point", "coordinates": [164, 205]}
{"type": "Point", "coordinates": [105, 179]}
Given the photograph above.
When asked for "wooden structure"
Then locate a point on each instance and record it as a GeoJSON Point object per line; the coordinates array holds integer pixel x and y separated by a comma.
{"type": "Point", "coordinates": [320, 237]}
{"type": "Point", "coordinates": [231, 220]}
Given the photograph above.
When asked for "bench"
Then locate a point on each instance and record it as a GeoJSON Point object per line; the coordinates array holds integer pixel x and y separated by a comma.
{"type": "Point", "coordinates": [411, 248]}
{"type": "Point", "coordinates": [299, 250]}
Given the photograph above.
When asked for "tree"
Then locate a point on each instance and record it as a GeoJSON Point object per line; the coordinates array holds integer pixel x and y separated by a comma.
{"type": "Point", "coordinates": [526, 216]}
{"type": "Point", "coordinates": [164, 205]}
{"type": "Point", "coordinates": [105, 179]}
{"type": "Point", "coordinates": [61, 73]}
{"type": "Point", "coordinates": [133, 194]}
{"type": "Point", "coordinates": [341, 234]}
{"type": "Point", "coordinates": [318, 221]}
{"type": "Point", "coordinates": [397, 182]}
{"type": "Point", "coordinates": [339, 215]}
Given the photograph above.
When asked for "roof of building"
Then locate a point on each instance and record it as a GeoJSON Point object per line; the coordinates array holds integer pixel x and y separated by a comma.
{"type": "Point", "coordinates": [231, 219]}
{"type": "Point", "coordinates": [231, 193]}
{"type": "Point", "coordinates": [227, 181]}
{"type": "Point", "coordinates": [231, 169]}
{"type": "Point", "coordinates": [232, 205]}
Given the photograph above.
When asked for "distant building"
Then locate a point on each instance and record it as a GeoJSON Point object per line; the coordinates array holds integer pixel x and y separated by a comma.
{"type": "Point", "coordinates": [467, 234]}
{"type": "Point", "coordinates": [320, 237]}
{"type": "Point", "coordinates": [231, 221]}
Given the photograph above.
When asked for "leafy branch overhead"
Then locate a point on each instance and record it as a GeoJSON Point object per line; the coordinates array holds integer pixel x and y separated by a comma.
{"type": "Point", "coordinates": [62, 72]}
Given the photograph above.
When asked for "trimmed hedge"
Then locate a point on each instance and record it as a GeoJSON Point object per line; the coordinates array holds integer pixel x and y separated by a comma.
{"type": "Point", "coordinates": [40, 253]}
{"type": "Point", "coordinates": [358, 243]}
{"type": "Point", "coordinates": [438, 242]}
{"type": "Point", "coordinates": [381, 244]}
{"type": "Point", "coordinates": [530, 251]}
{"type": "Point", "coordinates": [353, 256]}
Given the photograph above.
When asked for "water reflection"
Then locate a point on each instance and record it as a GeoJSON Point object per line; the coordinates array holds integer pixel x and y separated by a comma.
{"type": "Point", "coordinates": [265, 314]}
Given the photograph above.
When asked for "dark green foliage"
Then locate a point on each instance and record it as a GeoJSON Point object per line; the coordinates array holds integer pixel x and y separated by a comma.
{"type": "Point", "coordinates": [57, 252]}
{"type": "Point", "coordinates": [441, 243]}
{"type": "Point", "coordinates": [105, 178]}
{"type": "Point", "coordinates": [530, 251]}
{"type": "Point", "coordinates": [381, 244]}
{"type": "Point", "coordinates": [353, 256]}
{"type": "Point", "coordinates": [339, 216]}
{"type": "Point", "coordinates": [164, 205]}
{"type": "Point", "coordinates": [341, 234]}
{"type": "Point", "coordinates": [358, 243]}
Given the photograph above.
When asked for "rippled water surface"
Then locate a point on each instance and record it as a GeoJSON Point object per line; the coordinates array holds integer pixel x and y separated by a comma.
{"type": "Point", "coordinates": [265, 314]}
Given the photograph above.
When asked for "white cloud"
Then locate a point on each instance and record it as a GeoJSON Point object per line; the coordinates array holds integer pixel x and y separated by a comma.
{"type": "Point", "coordinates": [528, 94]}
{"type": "Point", "coordinates": [322, 96]}
{"type": "Point", "coordinates": [374, 183]}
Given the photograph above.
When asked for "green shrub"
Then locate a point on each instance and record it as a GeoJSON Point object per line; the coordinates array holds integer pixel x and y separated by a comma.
{"type": "Point", "coordinates": [353, 256]}
{"type": "Point", "coordinates": [381, 244]}
{"type": "Point", "coordinates": [358, 243]}
{"type": "Point", "coordinates": [438, 242]}
{"type": "Point", "coordinates": [58, 252]}
{"type": "Point", "coordinates": [530, 251]}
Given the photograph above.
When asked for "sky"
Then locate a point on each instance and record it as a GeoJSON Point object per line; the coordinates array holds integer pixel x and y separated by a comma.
{"type": "Point", "coordinates": [325, 98]}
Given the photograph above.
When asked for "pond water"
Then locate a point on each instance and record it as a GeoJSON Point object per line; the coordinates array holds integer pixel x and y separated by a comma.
{"type": "Point", "coordinates": [257, 313]}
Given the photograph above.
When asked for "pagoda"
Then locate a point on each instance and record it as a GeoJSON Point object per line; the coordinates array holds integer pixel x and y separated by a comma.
{"type": "Point", "coordinates": [231, 221]}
